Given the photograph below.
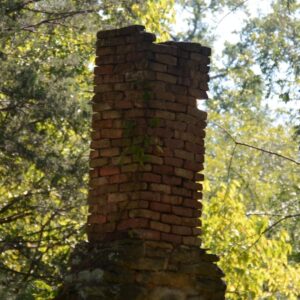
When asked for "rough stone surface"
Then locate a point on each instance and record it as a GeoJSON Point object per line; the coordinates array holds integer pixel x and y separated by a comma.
{"type": "Point", "coordinates": [144, 199]}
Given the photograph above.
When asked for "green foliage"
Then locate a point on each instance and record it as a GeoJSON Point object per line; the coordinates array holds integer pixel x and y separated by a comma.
{"type": "Point", "coordinates": [256, 266]}
{"type": "Point", "coordinates": [46, 51]}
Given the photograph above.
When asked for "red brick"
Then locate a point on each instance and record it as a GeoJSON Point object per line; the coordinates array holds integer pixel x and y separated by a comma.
{"type": "Point", "coordinates": [133, 186]}
{"type": "Point", "coordinates": [160, 226]}
{"type": "Point", "coordinates": [177, 107]}
{"type": "Point", "coordinates": [173, 161]}
{"type": "Point", "coordinates": [192, 222]}
{"type": "Point", "coordinates": [170, 219]}
{"type": "Point", "coordinates": [93, 173]}
{"type": "Point", "coordinates": [168, 170]}
{"type": "Point", "coordinates": [162, 207]}
{"type": "Point", "coordinates": [171, 180]}
{"type": "Point", "coordinates": [191, 185]}
{"type": "Point", "coordinates": [94, 154]}
{"type": "Point", "coordinates": [104, 189]}
{"type": "Point", "coordinates": [173, 238]}
{"type": "Point", "coordinates": [166, 77]}
{"type": "Point", "coordinates": [184, 173]}
{"type": "Point", "coordinates": [144, 213]}
{"type": "Point", "coordinates": [111, 114]}
{"type": "Point", "coordinates": [160, 188]}
{"type": "Point", "coordinates": [172, 199]}
{"type": "Point", "coordinates": [177, 89]}
{"type": "Point", "coordinates": [174, 143]}
{"type": "Point", "coordinates": [183, 154]}
{"type": "Point", "coordinates": [165, 115]}
{"type": "Point", "coordinates": [109, 152]}
{"type": "Point", "coordinates": [108, 208]}
{"type": "Point", "coordinates": [95, 135]}
{"type": "Point", "coordinates": [99, 181]}
{"type": "Point", "coordinates": [181, 230]}
{"type": "Point", "coordinates": [146, 195]}
{"type": "Point", "coordinates": [112, 133]}
{"type": "Point", "coordinates": [199, 177]}
{"type": "Point", "coordinates": [119, 178]}
{"type": "Point", "coordinates": [166, 59]}
{"type": "Point", "coordinates": [191, 241]}
{"type": "Point", "coordinates": [108, 96]}
{"type": "Point", "coordinates": [154, 159]}
{"type": "Point", "coordinates": [99, 162]}
{"type": "Point", "coordinates": [105, 69]}
{"type": "Point", "coordinates": [117, 197]}
{"type": "Point", "coordinates": [100, 88]}
{"type": "Point", "coordinates": [107, 171]}
{"type": "Point", "coordinates": [99, 219]}
{"type": "Point", "coordinates": [151, 177]}
{"type": "Point", "coordinates": [157, 67]}
{"type": "Point", "coordinates": [195, 148]}
{"type": "Point", "coordinates": [197, 231]}
{"type": "Point", "coordinates": [100, 144]}
{"type": "Point", "coordinates": [199, 114]}
{"type": "Point", "coordinates": [192, 203]}
{"type": "Point", "coordinates": [200, 159]}
{"type": "Point", "coordinates": [178, 125]}
{"type": "Point", "coordinates": [182, 211]}
{"type": "Point", "coordinates": [181, 191]}
{"type": "Point", "coordinates": [147, 234]}
{"type": "Point", "coordinates": [99, 124]}
{"type": "Point", "coordinates": [133, 223]}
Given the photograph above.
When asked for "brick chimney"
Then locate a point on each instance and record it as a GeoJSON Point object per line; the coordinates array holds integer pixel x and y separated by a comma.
{"type": "Point", "coordinates": [147, 152]}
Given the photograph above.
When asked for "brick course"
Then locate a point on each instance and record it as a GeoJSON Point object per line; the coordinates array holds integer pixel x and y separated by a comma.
{"type": "Point", "coordinates": [148, 136]}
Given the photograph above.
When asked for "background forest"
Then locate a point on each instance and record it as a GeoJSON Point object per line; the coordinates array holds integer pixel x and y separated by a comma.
{"type": "Point", "coordinates": [252, 188]}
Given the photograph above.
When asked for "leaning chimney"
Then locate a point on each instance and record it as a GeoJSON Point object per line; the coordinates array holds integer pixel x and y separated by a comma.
{"type": "Point", "coordinates": [145, 191]}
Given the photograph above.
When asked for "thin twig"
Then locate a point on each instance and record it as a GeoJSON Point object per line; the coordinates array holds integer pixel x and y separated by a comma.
{"type": "Point", "coordinates": [255, 147]}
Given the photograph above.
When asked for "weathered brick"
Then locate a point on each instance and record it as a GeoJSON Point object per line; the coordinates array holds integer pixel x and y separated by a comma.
{"type": "Point", "coordinates": [119, 178]}
{"type": "Point", "coordinates": [165, 115]}
{"type": "Point", "coordinates": [147, 234]}
{"type": "Point", "coordinates": [172, 199]}
{"type": "Point", "coordinates": [99, 181]}
{"type": "Point", "coordinates": [170, 219]}
{"type": "Point", "coordinates": [168, 170]}
{"type": "Point", "coordinates": [162, 207]}
{"type": "Point", "coordinates": [103, 143]}
{"type": "Point", "coordinates": [144, 213]}
{"type": "Point", "coordinates": [171, 180]}
{"type": "Point", "coordinates": [174, 143]}
{"type": "Point", "coordinates": [184, 173]}
{"type": "Point", "coordinates": [160, 188]}
{"type": "Point", "coordinates": [95, 218]}
{"type": "Point", "coordinates": [191, 241]}
{"type": "Point", "coordinates": [160, 226]}
{"type": "Point", "coordinates": [182, 211]}
{"type": "Point", "coordinates": [181, 191]}
{"type": "Point", "coordinates": [173, 238]}
{"type": "Point", "coordinates": [166, 77]}
{"type": "Point", "coordinates": [109, 170]}
{"type": "Point", "coordinates": [151, 177]}
{"type": "Point", "coordinates": [173, 161]}
{"type": "Point", "coordinates": [133, 223]}
{"type": "Point", "coordinates": [117, 197]}
{"type": "Point", "coordinates": [105, 69]}
{"type": "Point", "coordinates": [110, 152]}
{"type": "Point", "coordinates": [111, 114]}
{"type": "Point", "coordinates": [133, 186]}
{"type": "Point", "coordinates": [112, 133]}
{"type": "Point", "coordinates": [99, 162]}
{"type": "Point", "coordinates": [181, 230]}
{"type": "Point", "coordinates": [183, 154]}
{"type": "Point", "coordinates": [166, 59]}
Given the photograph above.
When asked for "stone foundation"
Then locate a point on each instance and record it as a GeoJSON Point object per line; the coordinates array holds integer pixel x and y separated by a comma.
{"type": "Point", "coordinates": [142, 270]}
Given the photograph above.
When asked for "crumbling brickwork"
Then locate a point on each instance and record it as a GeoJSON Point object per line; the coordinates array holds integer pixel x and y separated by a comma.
{"type": "Point", "coordinates": [147, 154]}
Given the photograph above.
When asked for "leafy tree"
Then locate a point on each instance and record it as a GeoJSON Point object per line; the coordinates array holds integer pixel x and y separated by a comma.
{"type": "Point", "coordinates": [46, 51]}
